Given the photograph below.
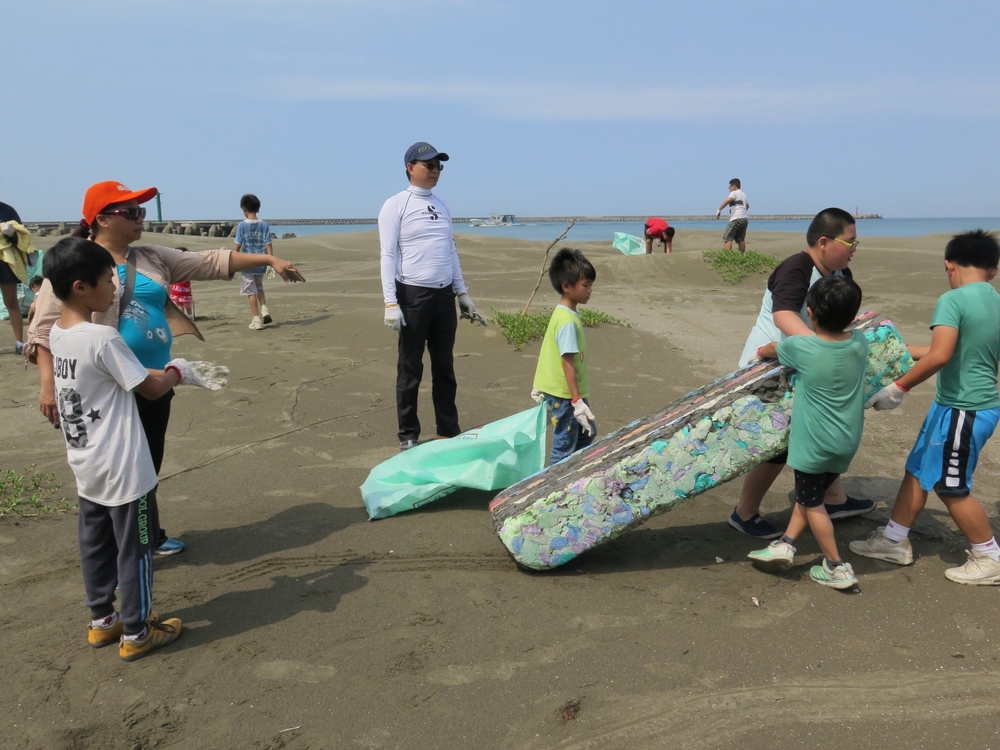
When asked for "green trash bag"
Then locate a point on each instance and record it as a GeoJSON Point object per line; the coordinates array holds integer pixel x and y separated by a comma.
{"type": "Point", "coordinates": [629, 244]}
{"type": "Point", "coordinates": [490, 457]}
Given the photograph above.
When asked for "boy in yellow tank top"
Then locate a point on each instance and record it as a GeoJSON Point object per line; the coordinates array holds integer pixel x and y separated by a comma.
{"type": "Point", "coordinates": [561, 376]}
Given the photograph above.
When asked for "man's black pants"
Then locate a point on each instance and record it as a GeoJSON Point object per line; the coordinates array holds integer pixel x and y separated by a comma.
{"type": "Point", "coordinates": [431, 321]}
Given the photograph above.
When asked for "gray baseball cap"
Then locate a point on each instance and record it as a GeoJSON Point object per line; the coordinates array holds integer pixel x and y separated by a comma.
{"type": "Point", "coordinates": [423, 151]}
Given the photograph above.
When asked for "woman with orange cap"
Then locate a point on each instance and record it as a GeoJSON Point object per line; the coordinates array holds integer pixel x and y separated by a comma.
{"type": "Point", "coordinates": [142, 311]}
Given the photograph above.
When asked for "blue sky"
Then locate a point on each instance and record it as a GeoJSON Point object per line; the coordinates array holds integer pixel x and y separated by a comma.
{"type": "Point", "coordinates": [546, 107]}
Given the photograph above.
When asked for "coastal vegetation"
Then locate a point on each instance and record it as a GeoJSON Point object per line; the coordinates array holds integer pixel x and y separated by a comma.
{"type": "Point", "coordinates": [521, 328]}
{"type": "Point", "coordinates": [28, 493]}
{"type": "Point", "coordinates": [734, 266]}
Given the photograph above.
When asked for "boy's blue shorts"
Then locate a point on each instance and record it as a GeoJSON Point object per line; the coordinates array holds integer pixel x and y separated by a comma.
{"type": "Point", "coordinates": [947, 448]}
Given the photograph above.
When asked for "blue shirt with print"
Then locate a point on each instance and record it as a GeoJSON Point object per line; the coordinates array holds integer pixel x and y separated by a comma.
{"type": "Point", "coordinates": [252, 237]}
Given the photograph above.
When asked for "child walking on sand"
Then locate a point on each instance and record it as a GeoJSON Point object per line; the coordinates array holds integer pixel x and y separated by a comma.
{"type": "Point", "coordinates": [561, 375]}
{"type": "Point", "coordinates": [95, 375]}
{"type": "Point", "coordinates": [826, 421]}
{"type": "Point", "coordinates": [253, 235]}
{"type": "Point", "coordinates": [964, 352]}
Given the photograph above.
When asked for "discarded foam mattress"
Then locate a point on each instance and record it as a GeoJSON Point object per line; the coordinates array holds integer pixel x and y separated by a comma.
{"type": "Point", "coordinates": [652, 465]}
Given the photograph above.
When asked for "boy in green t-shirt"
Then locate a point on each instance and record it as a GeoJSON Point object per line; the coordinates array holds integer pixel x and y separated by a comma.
{"type": "Point", "coordinates": [964, 352]}
{"type": "Point", "coordinates": [561, 374]}
{"type": "Point", "coordinates": [827, 418]}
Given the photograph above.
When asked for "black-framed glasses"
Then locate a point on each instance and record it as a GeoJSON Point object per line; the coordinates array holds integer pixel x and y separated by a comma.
{"type": "Point", "coordinates": [432, 165]}
{"type": "Point", "coordinates": [131, 214]}
{"type": "Point", "coordinates": [845, 243]}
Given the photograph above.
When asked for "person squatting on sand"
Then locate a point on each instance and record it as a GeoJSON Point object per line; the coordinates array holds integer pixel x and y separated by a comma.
{"type": "Point", "coordinates": [739, 207]}
{"type": "Point", "coordinates": [964, 352]}
{"type": "Point", "coordinates": [832, 241]}
{"type": "Point", "coordinates": [658, 229]}
{"type": "Point", "coordinates": [561, 374]}
{"type": "Point", "coordinates": [95, 373]}
{"type": "Point", "coordinates": [253, 236]}
{"type": "Point", "coordinates": [826, 422]}
{"type": "Point", "coordinates": [421, 276]}
{"type": "Point", "coordinates": [144, 315]}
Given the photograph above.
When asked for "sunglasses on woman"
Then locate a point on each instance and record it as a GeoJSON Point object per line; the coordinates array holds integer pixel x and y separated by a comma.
{"type": "Point", "coordinates": [131, 214]}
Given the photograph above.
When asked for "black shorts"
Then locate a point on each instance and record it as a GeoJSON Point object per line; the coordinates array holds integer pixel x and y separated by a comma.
{"type": "Point", "coordinates": [810, 489]}
{"type": "Point", "coordinates": [7, 276]}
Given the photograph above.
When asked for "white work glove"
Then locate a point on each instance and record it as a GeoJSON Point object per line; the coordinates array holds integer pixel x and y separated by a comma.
{"type": "Point", "coordinates": [270, 275]}
{"type": "Point", "coordinates": [202, 374]}
{"type": "Point", "coordinates": [8, 230]}
{"type": "Point", "coordinates": [888, 398]}
{"type": "Point", "coordinates": [718, 214]}
{"type": "Point", "coordinates": [394, 317]}
{"type": "Point", "coordinates": [537, 396]}
{"type": "Point", "coordinates": [468, 308]}
{"type": "Point", "coordinates": [584, 416]}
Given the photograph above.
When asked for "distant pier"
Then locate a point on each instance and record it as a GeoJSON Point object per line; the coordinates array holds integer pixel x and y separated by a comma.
{"type": "Point", "coordinates": [227, 227]}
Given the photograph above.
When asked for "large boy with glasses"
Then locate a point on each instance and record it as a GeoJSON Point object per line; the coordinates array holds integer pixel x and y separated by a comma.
{"type": "Point", "coordinates": [831, 242]}
{"type": "Point", "coordinates": [964, 352]}
{"type": "Point", "coordinates": [421, 277]}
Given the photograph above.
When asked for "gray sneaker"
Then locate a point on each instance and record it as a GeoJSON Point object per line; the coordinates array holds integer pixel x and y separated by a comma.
{"type": "Point", "coordinates": [880, 548]}
{"type": "Point", "coordinates": [841, 577]}
{"type": "Point", "coordinates": [979, 570]}
{"type": "Point", "coordinates": [775, 556]}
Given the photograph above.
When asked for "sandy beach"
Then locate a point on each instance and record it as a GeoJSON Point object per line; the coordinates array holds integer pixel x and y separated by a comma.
{"type": "Point", "coordinates": [307, 626]}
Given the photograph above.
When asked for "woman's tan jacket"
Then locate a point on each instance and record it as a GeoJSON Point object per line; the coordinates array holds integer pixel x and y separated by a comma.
{"type": "Point", "coordinates": [164, 265]}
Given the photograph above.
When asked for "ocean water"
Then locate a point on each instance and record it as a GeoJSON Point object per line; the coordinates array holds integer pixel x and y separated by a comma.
{"type": "Point", "coordinates": [597, 231]}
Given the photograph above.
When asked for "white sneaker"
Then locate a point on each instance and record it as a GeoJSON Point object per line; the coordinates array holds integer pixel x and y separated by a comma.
{"type": "Point", "coordinates": [256, 324]}
{"type": "Point", "coordinates": [265, 314]}
{"type": "Point", "coordinates": [877, 546]}
{"type": "Point", "coordinates": [841, 577]}
{"type": "Point", "coordinates": [979, 570]}
{"type": "Point", "coordinates": [775, 556]}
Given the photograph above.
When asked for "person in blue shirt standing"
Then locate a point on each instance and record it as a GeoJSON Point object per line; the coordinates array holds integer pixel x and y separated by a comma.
{"type": "Point", "coordinates": [253, 236]}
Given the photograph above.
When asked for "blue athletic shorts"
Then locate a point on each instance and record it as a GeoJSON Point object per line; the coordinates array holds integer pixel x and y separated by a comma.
{"type": "Point", "coordinates": [947, 448]}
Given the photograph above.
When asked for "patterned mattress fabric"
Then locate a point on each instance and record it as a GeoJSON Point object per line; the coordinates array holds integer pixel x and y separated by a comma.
{"type": "Point", "coordinates": [654, 464]}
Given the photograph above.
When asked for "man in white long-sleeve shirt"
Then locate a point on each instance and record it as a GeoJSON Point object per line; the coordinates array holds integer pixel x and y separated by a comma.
{"type": "Point", "coordinates": [421, 277]}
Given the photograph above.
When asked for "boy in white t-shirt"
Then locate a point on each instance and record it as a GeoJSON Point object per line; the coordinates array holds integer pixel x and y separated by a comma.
{"type": "Point", "coordinates": [95, 374]}
{"type": "Point", "coordinates": [253, 236]}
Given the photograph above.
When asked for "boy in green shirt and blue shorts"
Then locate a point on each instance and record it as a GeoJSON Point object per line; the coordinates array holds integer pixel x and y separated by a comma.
{"type": "Point", "coordinates": [827, 419]}
{"type": "Point", "coordinates": [561, 375]}
{"type": "Point", "coordinates": [964, 352]}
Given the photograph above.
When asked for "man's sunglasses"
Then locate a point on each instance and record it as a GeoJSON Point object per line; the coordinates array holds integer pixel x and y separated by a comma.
{"type": "Point", "coordinates": [432, 165]}
{"type": "Point", "coordinates": [131, 214]}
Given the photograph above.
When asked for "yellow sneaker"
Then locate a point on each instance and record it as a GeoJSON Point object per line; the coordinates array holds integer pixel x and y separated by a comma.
{"type": "Point", "coordinates": [158, 634]}
{"type": "Point", "coordinates": [99, 636]}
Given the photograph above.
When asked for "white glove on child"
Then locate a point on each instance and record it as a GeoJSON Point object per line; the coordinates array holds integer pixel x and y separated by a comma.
{"type": "Point", "coordinates": [394, 317]}
{"type": "Point", "coordinates": [200, 373]}
{"type": "Point", "coordinates": [7, 230]}
{"type": "Point", "coordinates": [888, 398]}
{"type": "Point", "coordinates": [584, 416]}
{"type": "Point", "coordinates": [537, 396]}
{"type": "Point", "coordinates": [468, 308]}
{"type": "Point", "coordinates": [270, 275]}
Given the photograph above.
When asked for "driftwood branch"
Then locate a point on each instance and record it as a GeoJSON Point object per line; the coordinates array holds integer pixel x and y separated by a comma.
{"type": "Point", "coordinates": [545, 260]}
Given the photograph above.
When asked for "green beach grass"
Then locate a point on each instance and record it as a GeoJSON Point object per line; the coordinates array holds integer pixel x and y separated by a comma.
{"type": "Point", "coordinates": [28, 493]}
{"type": "Point", "coordinates": [735, 266]}
{"type": "Point", "coordinates": [521, 329]}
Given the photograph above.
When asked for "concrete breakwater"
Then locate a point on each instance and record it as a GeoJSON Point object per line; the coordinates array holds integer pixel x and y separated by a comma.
{"type": "Point", "coordinates": [227, 227]}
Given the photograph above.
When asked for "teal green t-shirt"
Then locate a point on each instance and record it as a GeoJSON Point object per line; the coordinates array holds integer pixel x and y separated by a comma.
{"type": "Point", "coordinates": [969, 380]}
{"type": "Point", "coordinates": [828, 411]}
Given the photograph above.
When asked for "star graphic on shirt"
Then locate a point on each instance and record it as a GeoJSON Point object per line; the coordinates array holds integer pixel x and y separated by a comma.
{"type": "Point", "coordinates": [94, 415]}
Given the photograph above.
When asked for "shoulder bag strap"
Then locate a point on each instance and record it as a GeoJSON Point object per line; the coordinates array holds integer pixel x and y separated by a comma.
{"type": "Point", "coordinates": [129, 285]}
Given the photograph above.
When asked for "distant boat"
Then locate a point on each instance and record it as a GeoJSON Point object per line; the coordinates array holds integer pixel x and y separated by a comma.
{"type": "Point", "coordinates": [504, 220]}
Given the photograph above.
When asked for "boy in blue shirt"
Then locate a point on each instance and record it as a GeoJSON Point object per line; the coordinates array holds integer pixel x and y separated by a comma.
{"type": "Point", "coordinates": [253, 236]}
{"type": "Point", "coordinates": [561, 375]}
{"type": "Point", "coordinates": [964, 352]}
{"type": "Point", "coordinates": [827, 419]}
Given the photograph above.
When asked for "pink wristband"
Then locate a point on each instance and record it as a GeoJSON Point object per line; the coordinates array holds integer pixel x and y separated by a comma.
{"type": "Point", "coordinates": [176, 369]}
{"type": "Point", "coordinates": [904, 390]}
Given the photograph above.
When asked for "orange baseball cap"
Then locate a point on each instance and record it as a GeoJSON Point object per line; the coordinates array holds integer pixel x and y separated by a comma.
{"type": "Point", "coordinates": [102, 194]}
